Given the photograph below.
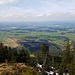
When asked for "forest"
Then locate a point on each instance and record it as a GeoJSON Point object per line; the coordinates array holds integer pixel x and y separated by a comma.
{"type": "Point", "coordinates": [49, 44]}
{"type": "Point", "coordinates": [61, 63]}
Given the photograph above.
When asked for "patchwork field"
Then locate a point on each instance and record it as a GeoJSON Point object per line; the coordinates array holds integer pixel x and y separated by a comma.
{"type": "Point", "coordinates": [55, 32]}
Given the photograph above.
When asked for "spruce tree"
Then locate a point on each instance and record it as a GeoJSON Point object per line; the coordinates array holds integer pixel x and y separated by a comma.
{"type": "Point", "coordinates": [72, 64]}
{"type": "Point", "coordinates": [23, 56]}
{"type": "Point", "coordinates": [66, 58]}
{"type": "Point", "coordinates": [44, 52]}
{"type": "Point", "coordinates": [74, 54]}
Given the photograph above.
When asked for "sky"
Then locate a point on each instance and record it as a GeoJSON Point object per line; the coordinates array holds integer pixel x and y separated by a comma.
{"type": "Point", "coordinates": [37, 10]}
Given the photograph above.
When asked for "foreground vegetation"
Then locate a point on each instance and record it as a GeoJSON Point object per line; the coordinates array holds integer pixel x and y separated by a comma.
{"type": "Point", "coordinates": [22, 62]}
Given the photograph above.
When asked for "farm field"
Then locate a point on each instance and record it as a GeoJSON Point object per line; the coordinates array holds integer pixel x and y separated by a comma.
{"type": "Point", "coordinates": [55, 32]}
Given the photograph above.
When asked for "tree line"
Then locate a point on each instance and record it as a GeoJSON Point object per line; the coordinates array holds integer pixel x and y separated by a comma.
{"type": "Point", "coordinates": [13, 55]}
{"type": "Point", "coordinates": [64, 62]}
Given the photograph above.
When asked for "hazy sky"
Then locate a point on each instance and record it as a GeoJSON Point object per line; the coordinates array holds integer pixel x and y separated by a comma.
{"type": "Point", "coordinates": [37, 10]}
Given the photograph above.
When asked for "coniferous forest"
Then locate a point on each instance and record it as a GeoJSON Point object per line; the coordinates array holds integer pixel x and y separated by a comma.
{"type": "Point", "coordinates": [60, 63]}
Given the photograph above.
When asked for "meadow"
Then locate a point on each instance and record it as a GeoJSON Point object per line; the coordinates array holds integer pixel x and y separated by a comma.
{"type": "Point", "coordinates": [56, 32]}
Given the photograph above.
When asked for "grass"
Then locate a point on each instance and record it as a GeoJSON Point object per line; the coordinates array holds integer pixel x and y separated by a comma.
{"type": "Point", "coordinates": [23, 34]}
{"type": "Point", "coordinates": [11, 43]}
{"type": "Point", "coordinates": [16, 69]}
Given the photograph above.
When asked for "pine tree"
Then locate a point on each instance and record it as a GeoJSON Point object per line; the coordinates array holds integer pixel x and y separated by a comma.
{"type": "Point", "coordinates": [72, 64]}
{"type": "Point", "coordinates": [23, 56]}
{"type": "Point", "coordinates": [74, 54]}
{"type": "Point", "coordinates": [66, 58]}
{"type": "Point", "coordinates": [44, 52]}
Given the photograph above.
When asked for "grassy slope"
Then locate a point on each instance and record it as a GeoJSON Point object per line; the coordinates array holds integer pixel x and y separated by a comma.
{"type": "Point", "coordinates": [16, 69]}
{"type": "Point", "coordinates": [11, 42]}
